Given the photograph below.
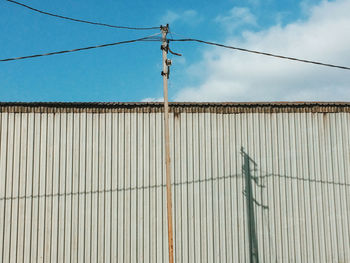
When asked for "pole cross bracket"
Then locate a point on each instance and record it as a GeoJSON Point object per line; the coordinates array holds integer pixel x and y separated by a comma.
{"type": "Point", "coordinates": [165, 47]}
{"type": "Point", "coordinates": [166, 73]}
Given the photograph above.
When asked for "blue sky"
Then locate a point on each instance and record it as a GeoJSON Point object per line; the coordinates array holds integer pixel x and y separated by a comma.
{"type": "Point", "coordinates": [132, 72]}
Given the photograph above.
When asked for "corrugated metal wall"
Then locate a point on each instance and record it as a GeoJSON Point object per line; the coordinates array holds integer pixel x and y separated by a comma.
{"type": "Point", "coordinates": [90, 187]}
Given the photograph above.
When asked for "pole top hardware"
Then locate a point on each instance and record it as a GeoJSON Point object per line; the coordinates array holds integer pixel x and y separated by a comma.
{"type": "Point", "coordinates": [165, 28]}
{"type": "Point", "coordinates": [165, 46]}
{"type": "Point", "coordinates": [168, 62]}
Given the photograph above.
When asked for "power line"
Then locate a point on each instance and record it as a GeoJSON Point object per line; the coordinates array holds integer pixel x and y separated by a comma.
{"type": "Point", "coordinates": [79, 20]}
{"type": "Point", "coordinates": [258, 52]}
{"type": "Point", "coordinates": [149, 38]}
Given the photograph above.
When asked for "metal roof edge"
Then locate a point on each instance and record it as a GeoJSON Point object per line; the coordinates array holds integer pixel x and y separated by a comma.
{"type": "Point", "coordinates": [176, 107]}
{"type": "Point", "coordinates": [176, 104]}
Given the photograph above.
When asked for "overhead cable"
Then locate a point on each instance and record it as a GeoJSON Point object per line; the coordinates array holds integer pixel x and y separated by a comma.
{"type": "Point", "coordinates": [258, 52]}
{"type": "Point", "coordinates": [79, 20]}
{"type": "Point", "coordinates": [149, 38]}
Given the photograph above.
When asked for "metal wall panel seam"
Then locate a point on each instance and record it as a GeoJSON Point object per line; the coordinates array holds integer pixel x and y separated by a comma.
{"type": "Point", "coordinates": [4, 151]}
{"type": "Point", "coordinates": [190, 177]}
{"type": "Point", "coordinates": [313, 189]}
{"type": "Point", "coordinates": [20, 206]}
{"type": "Point", "coordinates": [114, 195]}
{"type": "Point", "coordinates": [80, 197]}
{"type": "Point", "coordinates": [336, 197]}
{"type": "Point", "coordinates": [49, 187]}
{"type": "Point", "coordinates": [183, 174]}
{"type": "Point", "coordinates": [221, 220]}
{"type": "Point", "coordinates": [24, 189]}
{"type": "Point", "coordinates": [331, 192]}
{"type": "Point", "coordinates": [14, 183]}
{"type": "Point", "coordinates": [9, 186]}
{"type": "Point", "coordinates": [196, 188]}
{"type": "Point", "coordinates": [36, 190]}
{"type": "Point", "coordinates": [346, 156]}
{"type": "Point", "coordinates": [325, 207]}
{"type": "Point", "coordinates": [229, 185]}
{"type": "Point", "coordinates": [226, 180]}
{"type": "Point", "coordinates": [338, 161]}
{"type": "Point", "coordinates": [137, 161]}
{"type": "Point", "coordinates": [182, 153]}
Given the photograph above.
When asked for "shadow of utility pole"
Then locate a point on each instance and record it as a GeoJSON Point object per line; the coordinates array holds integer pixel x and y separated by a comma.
{"type": "Point", "coordinates": [248, 166]}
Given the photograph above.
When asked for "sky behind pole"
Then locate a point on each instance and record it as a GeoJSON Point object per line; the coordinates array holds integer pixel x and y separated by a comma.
{"type": "Point", "coordinates": [315, 30]}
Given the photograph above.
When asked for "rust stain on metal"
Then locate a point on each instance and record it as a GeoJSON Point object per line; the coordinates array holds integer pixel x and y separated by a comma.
{"type": "Point", "coordinates": [177, 115]}
{"type": "Point", "coordinates": [325, 121]}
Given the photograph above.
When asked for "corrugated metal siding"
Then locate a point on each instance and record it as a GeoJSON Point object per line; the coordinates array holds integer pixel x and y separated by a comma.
{"type": "Point", "coordinates": [90, 187]}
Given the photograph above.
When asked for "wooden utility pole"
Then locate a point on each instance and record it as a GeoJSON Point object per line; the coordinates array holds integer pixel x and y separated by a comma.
{"type": "Point", "coordinates": [165, 74]}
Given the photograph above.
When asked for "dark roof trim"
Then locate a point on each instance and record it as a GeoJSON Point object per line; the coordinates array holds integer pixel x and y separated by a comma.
{"type": "Point", "coordinates": [213, 107]}
{"type": "Point", "coordinates": [178, 104]}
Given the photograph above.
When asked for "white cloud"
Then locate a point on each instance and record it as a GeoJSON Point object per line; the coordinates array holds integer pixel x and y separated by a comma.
{"type": "Point", "coordinates": [229, 75]}
{"type": "Point", "coordinates": [236, 17]}
{"type": "Point", "coordinates": [187, 16]}
{"type": "Point", "coordinates": [153, 100]}
{"type": "Point", "coordinates": [170, 17]}
{"type": "Point", "coordinates": [255, 2]}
